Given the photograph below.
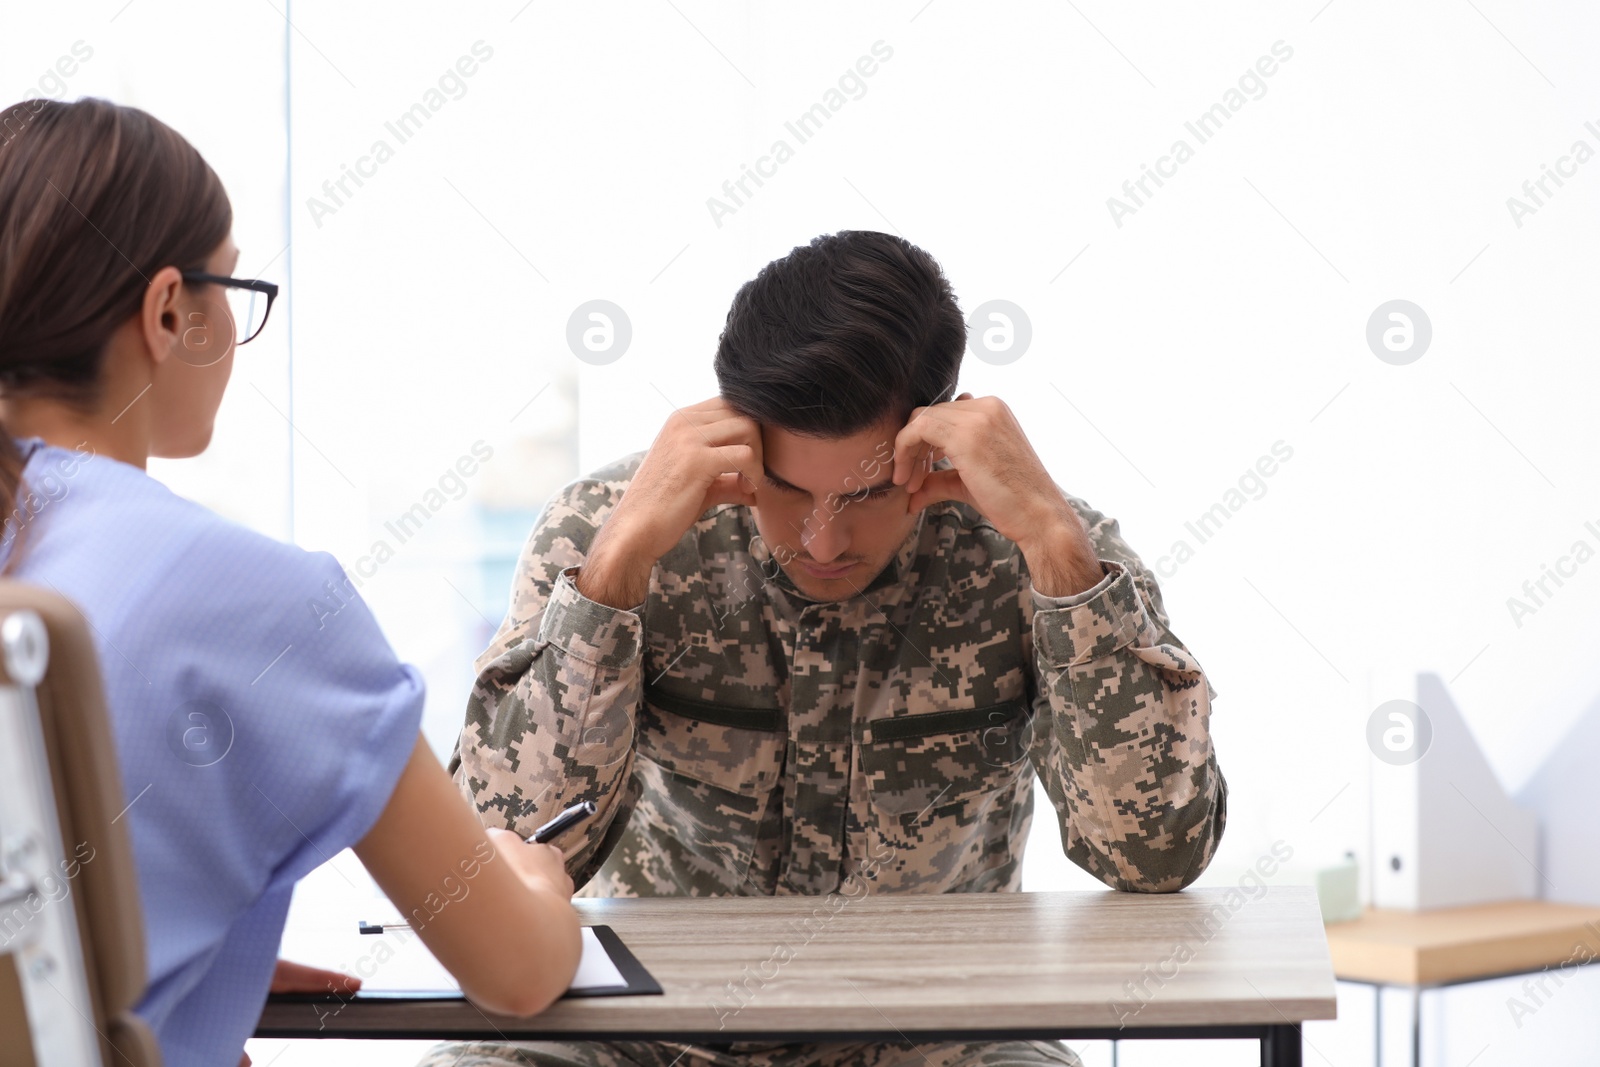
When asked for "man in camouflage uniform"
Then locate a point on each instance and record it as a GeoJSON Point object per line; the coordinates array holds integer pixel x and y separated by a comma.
{"type": "Point", "coordinates": [824, 632]}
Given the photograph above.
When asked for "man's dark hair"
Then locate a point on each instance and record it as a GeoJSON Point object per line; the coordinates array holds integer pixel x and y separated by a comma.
{"type": "Point", "coordinates": [840, 334]}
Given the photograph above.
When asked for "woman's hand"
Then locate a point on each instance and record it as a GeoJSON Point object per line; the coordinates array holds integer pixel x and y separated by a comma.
{"type": "Point", "coordinates": [539, 866]}
{"type": "Point", "coordinates": [302, 978]}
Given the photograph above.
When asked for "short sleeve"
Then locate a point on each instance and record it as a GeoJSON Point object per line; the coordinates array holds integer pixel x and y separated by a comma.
{"type": "Point", "coordinates": [261, 721]}
{"type": "Point", "coordinates": [344, 715]}
{"type": "Point", "coordinates": [295, 720]}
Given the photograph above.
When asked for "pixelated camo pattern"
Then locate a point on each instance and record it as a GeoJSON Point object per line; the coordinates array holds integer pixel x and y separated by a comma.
{"type": "Point", "coordinates": [751, 1054]}
{"type": "Point", "coordinates": [740, 738]}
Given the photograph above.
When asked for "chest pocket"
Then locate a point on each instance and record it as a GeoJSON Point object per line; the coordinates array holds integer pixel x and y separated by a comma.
{"type": "Point", "coordinates": [945, 792]}
{"type": "Point", "coordinates": [707, 771]}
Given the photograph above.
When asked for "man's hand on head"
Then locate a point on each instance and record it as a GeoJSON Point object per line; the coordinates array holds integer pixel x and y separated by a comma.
{"type": "Point", "coordinates": [996, 471]}
{"type": "Point", "coordinates": [706, 454]}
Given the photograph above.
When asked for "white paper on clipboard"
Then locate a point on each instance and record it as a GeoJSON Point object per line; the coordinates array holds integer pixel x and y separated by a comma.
{"type": "Point", "coordinates": [410, 970]}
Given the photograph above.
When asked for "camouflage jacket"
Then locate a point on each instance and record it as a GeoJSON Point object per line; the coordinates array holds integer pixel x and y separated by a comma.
{"type": "Point", "coordinates": [740, 738]}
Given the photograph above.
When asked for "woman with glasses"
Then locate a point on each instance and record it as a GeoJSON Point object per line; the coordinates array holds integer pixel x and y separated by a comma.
{"type": "Point", "coordinates": [256, 738]}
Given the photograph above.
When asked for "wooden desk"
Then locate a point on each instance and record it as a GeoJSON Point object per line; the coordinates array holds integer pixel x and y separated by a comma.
{"type": "Point", "coordinates": [905, 967]}
{"type": "Point", "coordinates": [1427, 949]}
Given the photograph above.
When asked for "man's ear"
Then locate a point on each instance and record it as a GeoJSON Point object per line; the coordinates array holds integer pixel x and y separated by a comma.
{"type": "Point", "coordinates": [161, 314]}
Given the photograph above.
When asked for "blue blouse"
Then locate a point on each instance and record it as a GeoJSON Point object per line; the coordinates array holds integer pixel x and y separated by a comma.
{"type": "Point", "coordinates": [260, 717]}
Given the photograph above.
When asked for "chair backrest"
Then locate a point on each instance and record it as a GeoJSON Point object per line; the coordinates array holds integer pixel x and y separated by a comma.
{"type": "Point", "coordinates": [72, 962]}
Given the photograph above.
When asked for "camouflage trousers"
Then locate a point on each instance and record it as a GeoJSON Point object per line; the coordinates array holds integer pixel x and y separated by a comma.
{"type": "Point", "coordinates": [749, 1054]}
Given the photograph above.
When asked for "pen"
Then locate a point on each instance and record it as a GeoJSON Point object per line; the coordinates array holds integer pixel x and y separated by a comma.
{"type": "Point", "coordinates": [565, 821]}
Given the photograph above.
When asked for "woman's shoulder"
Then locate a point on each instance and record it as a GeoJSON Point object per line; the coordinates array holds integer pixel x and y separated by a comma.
{"type": "Point", "coordinates": [102, 519]}
{"type": "Point", "coordinates": [198, 600]}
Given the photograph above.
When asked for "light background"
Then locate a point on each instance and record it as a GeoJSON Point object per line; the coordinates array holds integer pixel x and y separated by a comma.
{"type": "Point", "coordinates": [429, 311]}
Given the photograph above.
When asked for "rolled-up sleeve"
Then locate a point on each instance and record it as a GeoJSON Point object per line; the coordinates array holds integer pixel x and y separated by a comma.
{"type": "Point", "coordinates": [1122, 739]}
{"type": "Point", "coordinates": [550, 720]}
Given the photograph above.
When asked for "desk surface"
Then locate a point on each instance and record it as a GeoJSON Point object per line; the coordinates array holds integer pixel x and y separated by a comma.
{"type": "Point", "coordinates": [989, 964]}
{"type": "Point", "coordinates": [1461, 944]}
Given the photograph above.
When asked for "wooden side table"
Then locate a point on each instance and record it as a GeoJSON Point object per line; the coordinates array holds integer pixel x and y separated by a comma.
{"type": "Point", "coordinates": [1424, 950]}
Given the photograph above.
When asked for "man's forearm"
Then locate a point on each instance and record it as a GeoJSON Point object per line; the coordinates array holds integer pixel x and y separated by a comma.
{"type": "Point", "coordinates": [614, 573]}
{"type": "Point", "coordinates": [1062, 560]}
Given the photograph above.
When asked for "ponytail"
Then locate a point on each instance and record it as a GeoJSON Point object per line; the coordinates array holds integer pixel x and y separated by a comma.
{"type": "Point", "coordinates": [94, 199]}
{"type": "Point", "coordinates": [11, 463]}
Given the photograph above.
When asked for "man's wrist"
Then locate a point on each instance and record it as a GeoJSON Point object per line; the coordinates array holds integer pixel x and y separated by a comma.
{"type": "Point", "coordinates": [616, 573]}
{"type": "Point", "coordinates": [1061, 558]}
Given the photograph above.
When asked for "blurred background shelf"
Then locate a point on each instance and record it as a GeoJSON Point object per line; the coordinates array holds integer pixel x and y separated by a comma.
{"type": "Point", "coordinates": [1448, 945]}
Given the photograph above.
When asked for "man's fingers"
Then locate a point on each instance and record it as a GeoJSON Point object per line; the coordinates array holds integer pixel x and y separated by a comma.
{"type": "Point", "coordinates": [729, 489]}
{"type": "Point", "coordinates": [917, 441]}
{"type": "Point", "coordinates": [703, 416]}
{"type": "Point", "coordinates": [712, 404]}
{"type": "Point", "coordinates": [733, 423]}
{"type": "Point", "coordinates": [936, 487]}
{"type": "Point", "coordinates": [734, 459]}
{"type": "Point", "coordinates": [920, 468]}
{"type": "Point", "coordinates": [909, 446]}
{"type": "Point", "coordinates": [715, 428]}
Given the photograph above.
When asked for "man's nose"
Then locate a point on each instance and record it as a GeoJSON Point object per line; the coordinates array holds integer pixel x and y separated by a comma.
{"type": "Point", "coordinates": [825, 540]}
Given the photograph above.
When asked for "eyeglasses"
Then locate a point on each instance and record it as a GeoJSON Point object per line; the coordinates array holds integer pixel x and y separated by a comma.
{"type": "Point", "coordinates": [249, 301]}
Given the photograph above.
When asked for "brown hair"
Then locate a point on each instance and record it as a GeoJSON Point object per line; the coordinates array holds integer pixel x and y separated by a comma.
{"type": "Point", "coordinates": [840, 334]}
{"type": "Point", "coordinates": [94, 199]}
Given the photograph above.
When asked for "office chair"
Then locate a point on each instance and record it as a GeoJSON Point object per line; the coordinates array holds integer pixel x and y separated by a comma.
{"type": "Point", "coordinates": [72, 956]}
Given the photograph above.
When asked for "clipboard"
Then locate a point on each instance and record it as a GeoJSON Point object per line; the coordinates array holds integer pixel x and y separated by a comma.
{"type": "Point", "coordinates": [608, 969]}
{"type": "Point", "coordinates": [637, 980]}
